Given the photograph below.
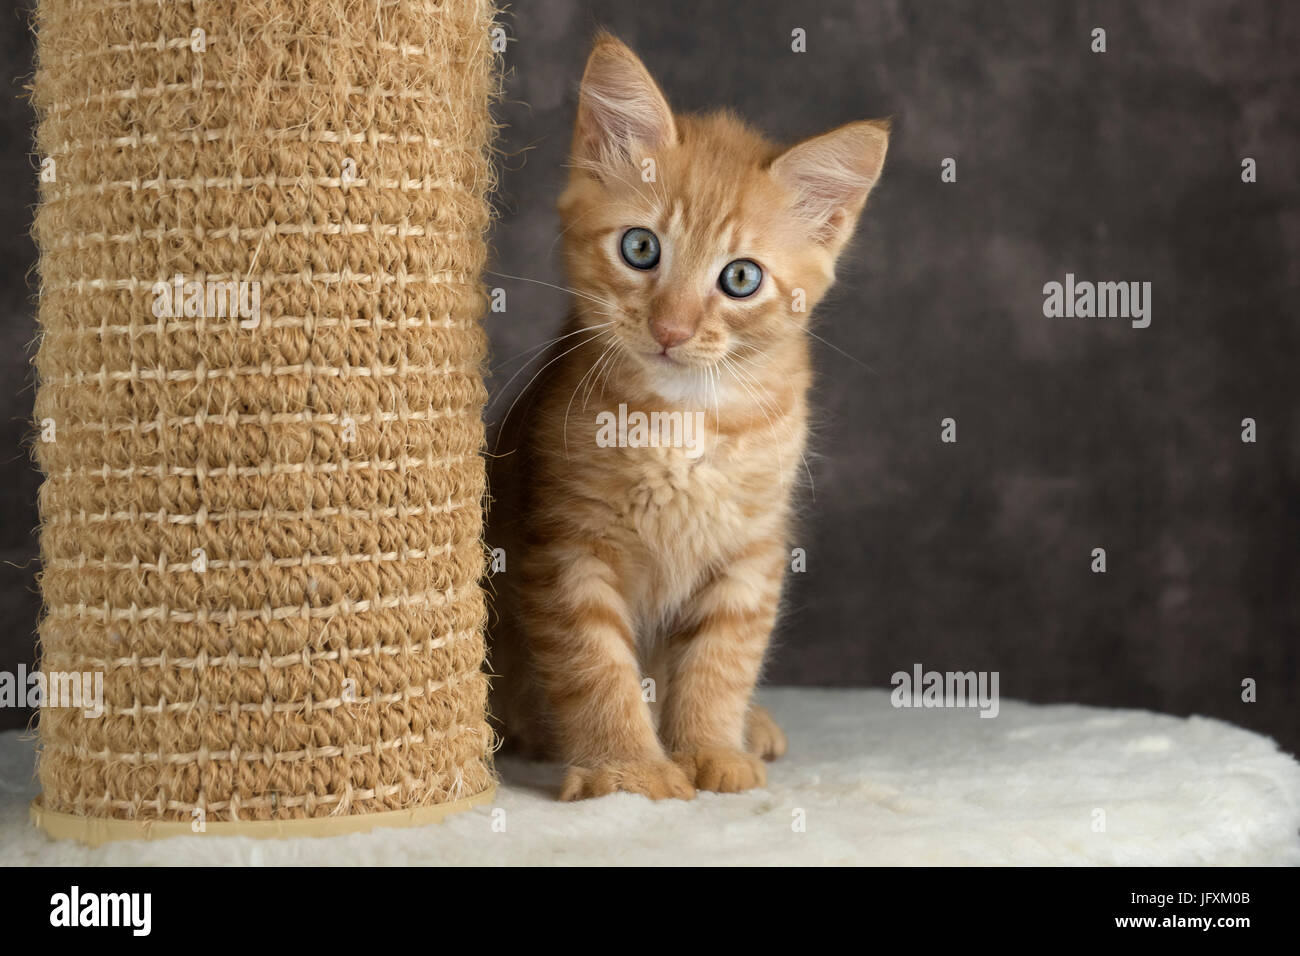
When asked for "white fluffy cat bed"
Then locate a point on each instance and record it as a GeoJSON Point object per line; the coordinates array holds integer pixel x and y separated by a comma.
{"type": "Point", "coordinates": [870, 784]}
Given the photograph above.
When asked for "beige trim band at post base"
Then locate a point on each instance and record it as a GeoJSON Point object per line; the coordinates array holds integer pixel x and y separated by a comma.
{"type": "Point", "coordinates": [96, 831]}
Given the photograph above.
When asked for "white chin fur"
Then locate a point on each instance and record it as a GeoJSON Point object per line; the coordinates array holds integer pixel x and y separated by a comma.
{"type": "Point", "coordinates": [696, 387]}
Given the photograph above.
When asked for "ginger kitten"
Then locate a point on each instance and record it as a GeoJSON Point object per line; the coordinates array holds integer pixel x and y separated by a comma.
{"type": "Point", "coordinates": [645, 563]}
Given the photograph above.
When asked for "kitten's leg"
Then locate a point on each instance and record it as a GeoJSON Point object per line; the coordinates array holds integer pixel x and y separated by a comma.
{"type": "Point", "coordinates": [763, 735]}
{"type": "Point", "coordinates": [586, 657]}
{"type": "Point", "coordinates": [715, 662]}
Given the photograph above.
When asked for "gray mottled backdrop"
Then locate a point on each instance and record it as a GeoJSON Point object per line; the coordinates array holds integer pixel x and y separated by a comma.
{"type": "Point", "coordinates": [1073, 434]}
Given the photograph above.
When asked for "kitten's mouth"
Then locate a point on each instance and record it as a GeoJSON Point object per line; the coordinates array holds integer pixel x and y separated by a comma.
{"type": "Point", "coordinates": [662, 358]}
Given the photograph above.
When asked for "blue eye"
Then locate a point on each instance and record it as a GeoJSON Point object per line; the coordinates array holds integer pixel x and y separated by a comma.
{"type": "Point", "coordinates": [741, 278]}
{"type": "Point", "coordinates": [640, 248]}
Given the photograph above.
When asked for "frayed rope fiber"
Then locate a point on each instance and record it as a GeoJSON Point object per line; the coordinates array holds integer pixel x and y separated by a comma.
{"type": "Point", "coordinates": [260, 397]}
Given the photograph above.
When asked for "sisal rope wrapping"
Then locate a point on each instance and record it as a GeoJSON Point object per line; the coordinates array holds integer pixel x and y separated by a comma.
{"type": "Point", "coordinates": [265, 536]}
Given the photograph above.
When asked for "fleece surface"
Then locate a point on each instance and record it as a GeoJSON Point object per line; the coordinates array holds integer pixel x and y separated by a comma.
{"type": "Point", "coordinates": [863, 783]}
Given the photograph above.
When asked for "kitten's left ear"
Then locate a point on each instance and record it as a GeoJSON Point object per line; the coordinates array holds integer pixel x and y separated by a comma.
{"type": "Point", "coordinates": [831, 175]}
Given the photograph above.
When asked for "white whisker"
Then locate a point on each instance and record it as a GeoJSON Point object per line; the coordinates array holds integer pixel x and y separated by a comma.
{"type": "Point", "coordinates": [586, 328]}
{"type": "Point", "coordinates": [557, 288]}
{"type": "Point", "coordinates": [557, 339]}
{"type": "Point", "coordinates": [525, 389]}
{"type": "Point", "coordinates": [590, 370]}
{"type": "Point", "coordinates": [765, 407]}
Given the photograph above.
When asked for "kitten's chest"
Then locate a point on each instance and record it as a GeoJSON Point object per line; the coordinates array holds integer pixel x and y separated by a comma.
{"type": "Point", "coordinates": [691, 513]}
{"type": "Point", "coordinates": [689, 519]}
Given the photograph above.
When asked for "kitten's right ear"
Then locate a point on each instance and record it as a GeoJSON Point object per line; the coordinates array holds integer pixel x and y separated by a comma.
{"type": "Point", "coordinates": [621, 112]}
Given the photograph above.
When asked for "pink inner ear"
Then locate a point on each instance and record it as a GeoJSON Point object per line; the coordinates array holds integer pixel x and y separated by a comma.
{"type": "Point", "coordinates": [620, 108]}
{"type": "Point", "coordinates": [831, 176]}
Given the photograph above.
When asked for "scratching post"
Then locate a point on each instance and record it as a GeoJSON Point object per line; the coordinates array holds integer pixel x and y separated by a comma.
{"type": "Point", "coordinates": [259, 412]}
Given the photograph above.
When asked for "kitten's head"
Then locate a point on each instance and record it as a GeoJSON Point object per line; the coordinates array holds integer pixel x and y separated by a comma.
{"type": "Point", "coordinates": [699, 240]}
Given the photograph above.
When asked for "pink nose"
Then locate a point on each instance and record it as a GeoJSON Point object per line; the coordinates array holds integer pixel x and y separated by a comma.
{"type": "Point", "coordinates": [668, 332]}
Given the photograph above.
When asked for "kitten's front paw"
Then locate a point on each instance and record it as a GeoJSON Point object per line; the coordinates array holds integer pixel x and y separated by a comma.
{"type": "Point", "coordinates": [722, 769]}
{"type": "Point", "coordinates": [763, 735]}
{"type": "Point", "coordinates": [656, 779]}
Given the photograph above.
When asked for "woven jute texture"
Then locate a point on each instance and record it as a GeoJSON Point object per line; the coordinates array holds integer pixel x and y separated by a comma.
{"type": "Point", "coordinates": [262, 524]}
